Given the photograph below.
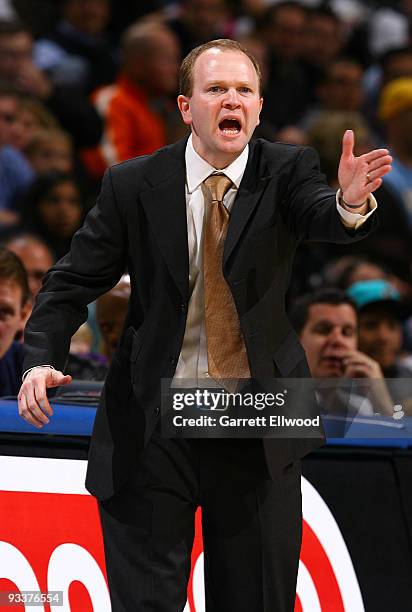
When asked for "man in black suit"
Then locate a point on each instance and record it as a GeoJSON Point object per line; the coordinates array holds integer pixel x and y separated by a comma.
{"type": "Point", "coordinates": [153, 216]}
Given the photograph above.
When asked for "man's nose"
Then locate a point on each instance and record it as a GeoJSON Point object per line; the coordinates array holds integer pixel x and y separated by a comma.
{"type": "Point", "coordinates": [231, 99]}
{"type": "Point", "coordinates": [336, 338]}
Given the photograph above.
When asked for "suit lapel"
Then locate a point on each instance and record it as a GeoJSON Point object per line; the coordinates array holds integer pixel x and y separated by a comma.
{"type": "Point", "coordinates": [251, 190]}
{"type": "Point", "coordinates": [165, 206]}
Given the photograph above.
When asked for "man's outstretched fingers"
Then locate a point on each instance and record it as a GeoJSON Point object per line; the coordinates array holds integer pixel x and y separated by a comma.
{"type": "Point", "coordinates": [25, 412]}
{"type": "Point", "coordinates": [386, 160]}
{"type": "Point", "coordinates": [375, 154]}
{"type": "Point", "coordinates": [41, 396]}
{"type": "Point", "coordinates": [32, 404]}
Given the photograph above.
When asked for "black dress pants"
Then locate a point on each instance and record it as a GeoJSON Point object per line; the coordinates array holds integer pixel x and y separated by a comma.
{"type": "Point", "coordinates": [251, 528]}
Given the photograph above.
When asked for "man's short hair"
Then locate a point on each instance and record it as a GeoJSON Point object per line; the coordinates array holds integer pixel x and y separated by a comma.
{"type": "Point", "coordinates": [299, 312]}
{"type": "Point", "coordinates": [224, 44]}
{"type": "Point", "coordinates": [11, 268]}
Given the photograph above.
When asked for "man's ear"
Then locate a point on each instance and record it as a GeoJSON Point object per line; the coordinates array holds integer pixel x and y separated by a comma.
{"type": "Point", "coordinates": [183, 103]}
{"type": "Point", "coordinates": [260, 110]}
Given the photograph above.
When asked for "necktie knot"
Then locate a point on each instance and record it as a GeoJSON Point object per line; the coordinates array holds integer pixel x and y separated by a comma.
{"type": "Point", "coordinates": [218, 185]}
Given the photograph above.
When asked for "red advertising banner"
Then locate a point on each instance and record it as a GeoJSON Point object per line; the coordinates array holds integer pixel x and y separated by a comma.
{"type": "Point", "coordinates": [51, 542]}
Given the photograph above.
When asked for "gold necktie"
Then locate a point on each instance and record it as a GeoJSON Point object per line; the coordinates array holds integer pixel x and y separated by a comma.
{"type": "Point", "coordinates": [226, 352]}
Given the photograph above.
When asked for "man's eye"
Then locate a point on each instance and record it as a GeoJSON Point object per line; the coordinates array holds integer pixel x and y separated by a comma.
{"type": "Point", "coordinates": [324, 331]}
{"type": "Point", "coordinates": [245, 89]}
{"type": "Point", "coordinates": [348, 331]}
{"type": "Point", "coordinates": [215, 88]}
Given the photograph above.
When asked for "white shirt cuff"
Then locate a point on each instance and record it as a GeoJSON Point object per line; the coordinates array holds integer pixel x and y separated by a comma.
{"type": "Point", "coordinates": [352, 219]}
{"type": "Point", "coordinates": [33, 368]}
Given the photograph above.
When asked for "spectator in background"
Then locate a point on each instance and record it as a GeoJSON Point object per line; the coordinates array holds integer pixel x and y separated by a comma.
{"type": "Point", "coordinates": [395, 110]}
{"type": "Point", "coordinates": [282, 27]}
{"type": "Point", "coordinates": [326, 132]}
{"type": "Point", "coordinates": [15, 307]}
{"type": "Point", "coordinates": [53, 209]}
{"type": "Point", "coordinates": [396, 63]}
{"type": "Point", "coordinates": [339, 89]}
{"type": "Point", "coordinates": [70, 106]}
{"type": "Point", "coordinates": [50, 151]}
{"type": "Point", "coordinates": [35, 256]}
{"type": "Point", "coordinates": [350, 269]}
{"type": "Point", "coordinates": [326, 322]}
{"type": "Point", "coordinates": [32, 116]}
{"type": "Point", "coordinates": [111, 309]}
{"type": "Point", "coordinates": [323, 42]}
{"type": "Point", "coordinates": [133, 125]}
{"type": "Point", "coordinates": [78, 53]}
{"type": "Point", "coordinates": [393, 239]}
{"type": "Point", "coordinates": [15, 171]}
{"type": "Point", "coordinates": [393, 64]}
{"type": "Point", "coordinates": [345, 271]}
{"type": "Point", "coordinates": [198, 22]}
{"type": "Point", "coordinates": [381, 313]}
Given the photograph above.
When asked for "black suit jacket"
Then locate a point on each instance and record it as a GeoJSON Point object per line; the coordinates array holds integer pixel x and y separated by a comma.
{"type": "Point", "coordinates": [139, 221]}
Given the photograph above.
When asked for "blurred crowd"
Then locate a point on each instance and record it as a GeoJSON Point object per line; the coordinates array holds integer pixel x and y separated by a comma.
{"type": "Point", "coordinates": [85, 84]}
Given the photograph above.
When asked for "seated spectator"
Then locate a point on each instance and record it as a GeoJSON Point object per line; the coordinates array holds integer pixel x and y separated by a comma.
{"type": "Point", "coordinates": [69, 105]}
{"type": "Point", "coordinates": [32, 116]}
{"type": "Point", "coordinates": [198, 22]}
{"type": "Point", "coordinates": [323, 42]}
{"type": "Point", "coordinates": [350, 269]}
{"type": "Point", "coordinates": [393, 64]}
{"type": "Point", "coordinates": [325, 135]}
{"type": "Point", "coordinates": [50, 151]}
{"type": "Point", "coordinates": [53, 209]}
{"type": "Point", "coordinates": [15, 307]}
{"type": "Point", "coordinates": [395, 110]}
{"type": "Point", "coordinates": [111, 309]}
{"type": "Point", "coordinates": [133, 126]}
{"type": "Point", "coordinates": [282, 27]}
{"type": "Point", "coordinates": [15, 171]}
{"type": "Point", "coordinates": [78, 53]}
{"type": "Point", "coordinates": [344, 272]}
{"type": "Point", "coordinates": [339, 89]}
{"type": "Point", "coordinates": [326, 322]}
{"type": "Point", "coordinates": [393, 238]}
{"type": "Point", "coordinates": [381, 313]}
{"type": "Point", "coordinates": [35, 256]}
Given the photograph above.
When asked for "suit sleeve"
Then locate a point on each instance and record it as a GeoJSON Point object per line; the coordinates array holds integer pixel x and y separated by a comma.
{"type": "Point", "coordinates": [309, 205]}
{"type": "Point", "coordinates": [95, 263]}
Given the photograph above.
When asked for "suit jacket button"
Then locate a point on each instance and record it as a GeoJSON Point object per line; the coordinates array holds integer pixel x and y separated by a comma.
{"type": "Point", "coordinates": [183, 308]}
{"type": "Point", "coordinates": [157, 411]}
{"type": "Point", "coordinates": [173, 359]}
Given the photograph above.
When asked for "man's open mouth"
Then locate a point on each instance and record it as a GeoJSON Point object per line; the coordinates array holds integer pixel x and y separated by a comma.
{"type": "Point", "coordinates": [230, 127]}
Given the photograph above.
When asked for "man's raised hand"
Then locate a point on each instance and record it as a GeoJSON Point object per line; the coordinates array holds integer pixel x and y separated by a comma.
{"type": "Point", "coordinates": [360, 176]}
{"type": "Point", "coordinates": [33, 403]}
